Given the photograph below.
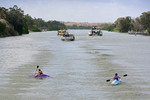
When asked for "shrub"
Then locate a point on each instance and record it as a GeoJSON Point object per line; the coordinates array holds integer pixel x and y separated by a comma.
{"type": "Point", "coordinates": [2, 27]}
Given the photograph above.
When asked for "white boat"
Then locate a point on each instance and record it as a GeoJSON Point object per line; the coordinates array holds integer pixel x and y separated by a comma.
{"type": "Point", "coordinates": [67, 37]}
{"type": "Point", "coordinates": [95, 32]}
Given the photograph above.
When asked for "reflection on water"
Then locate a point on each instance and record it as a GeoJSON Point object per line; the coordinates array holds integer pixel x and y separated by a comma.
{"type": "Point", "coordinates": [79, 69]}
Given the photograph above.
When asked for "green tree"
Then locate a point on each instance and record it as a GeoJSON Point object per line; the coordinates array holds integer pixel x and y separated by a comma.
{"type": "Point", "coordinates": [3, 13]}
{"type": "Point", "coordinates": [137, 26]}
{"type": "Point", "coordinates": [107, 26]}
{"type": "Point", "coordinates": [16, 18]}
{"type": "Point", "coordinates": [128, 23]}
{"type": "Point", "coordinates": [149, 31]}
{"type": "Point", "coordinates": [40, 23]}
{"type": "Point", "coordinates": [55, 25]}
{"type": "Point", "coordinates": [145, 20]}
{"type": "Point", "coordinates": [25, 28]}
{"type": "Point", "coordinates": [2, 28]}
{"type": "Point", "coordinates": [36, 29]}
{"type": "Point", "coordinates": [29, 21]}
{"type": "Point", "coordinates": [123, 24]}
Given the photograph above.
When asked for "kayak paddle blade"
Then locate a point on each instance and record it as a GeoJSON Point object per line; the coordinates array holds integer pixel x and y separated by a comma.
{"type": "Point", "coordinates": [37, 66]}
{"type": "Point", "coordinates": [108, 80]}
{"type": "Point", "coordinates": [124, 75]}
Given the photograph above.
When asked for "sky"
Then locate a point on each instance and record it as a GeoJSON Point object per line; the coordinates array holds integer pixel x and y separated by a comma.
{"type": "Point", "coordinates": [91, 11]}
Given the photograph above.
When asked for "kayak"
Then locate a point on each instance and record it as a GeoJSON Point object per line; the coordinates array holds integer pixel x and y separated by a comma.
{"type": "Point", "coordinates": [116, 82]}
{"type": "Point", "coordinates": [44, 75]}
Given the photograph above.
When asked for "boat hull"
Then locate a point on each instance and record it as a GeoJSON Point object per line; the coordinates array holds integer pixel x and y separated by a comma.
{"type": "Point", "coordinates": [68, 37]}
{"type": "Point", "coordinates": [95, 33]}
{"type": "Point", "coordinates": [116, 82]}
{"type": "Point", "coordinates": [44, 75]}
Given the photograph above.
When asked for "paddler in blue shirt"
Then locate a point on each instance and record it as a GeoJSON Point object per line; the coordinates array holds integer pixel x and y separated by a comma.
{"type": "Point", "coordinates": [116, 77]}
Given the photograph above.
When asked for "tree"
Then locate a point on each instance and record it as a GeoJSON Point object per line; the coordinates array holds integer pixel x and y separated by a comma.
{"type": "Point", "coordinates": [123, 24]}
{"type": "Point", "coordinates": [29, 21]}
{"type": "Point", "coordinates": [145, 20]}
{"type": "Point", "coordinates": [137, 26]}
{"type": "Point", "coordinates": [35, 29]}
{"type": "Point", "coordinates": [55, 25]}
{"type": "Point", "coordinates": [2, 28]}
{"type": "Point", "coordinates": [16, 18]}
{"type": "Point", "coordinates": [128, 22]}
{"type": "Point", "coordinates": [39, 22]}
{"type": "Point", "coordinates": [25, 28]}
{"type": "Point", "coordinates": [107, 26]}
{"type": "Point", "coordinates": [3, 13]}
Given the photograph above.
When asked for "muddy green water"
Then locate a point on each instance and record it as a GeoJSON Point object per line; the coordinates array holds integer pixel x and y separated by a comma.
{"type": "Point", "coordinates": [78, 69]}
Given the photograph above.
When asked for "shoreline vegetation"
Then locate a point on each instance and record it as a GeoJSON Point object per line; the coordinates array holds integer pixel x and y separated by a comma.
{"type": "Point", "coordinates": [139, 25]}
{"type": "Point", "coordinates": [13, 22]}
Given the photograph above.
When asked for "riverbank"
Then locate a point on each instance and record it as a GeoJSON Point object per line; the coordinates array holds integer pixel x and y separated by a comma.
{"type": "Point", "coordinates": [6, 29]}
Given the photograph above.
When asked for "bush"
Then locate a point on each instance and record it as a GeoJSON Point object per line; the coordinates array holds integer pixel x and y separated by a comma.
{"type": "Point", "coordinates": [116, 29]}
{"type": "Point", "coordinates": [35, 29]}
{"type": "Point", "coordinates": [25, 29]}
{"type": "Point", "coordinates": [2, 27]}
{"type": "Point", "coordinates": [149, 31]}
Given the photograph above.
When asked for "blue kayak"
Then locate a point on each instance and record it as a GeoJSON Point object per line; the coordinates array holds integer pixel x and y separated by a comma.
{"type": "Point", "coordinates": [44, 75]}
{"type": "Point", "coordinates": [116, 82]}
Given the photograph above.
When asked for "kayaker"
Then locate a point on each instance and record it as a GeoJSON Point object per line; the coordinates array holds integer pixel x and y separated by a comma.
{"type": "Point", "coordinates": [39, 73]}
{"type": "Point", "coordinates": [116, 77]}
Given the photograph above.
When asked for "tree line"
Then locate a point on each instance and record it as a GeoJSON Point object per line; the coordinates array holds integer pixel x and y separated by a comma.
{"type": "Point", "coordinates": [17, 23]}
{"type": "Point", "coordinates": [78, 27]}
{"type": "Point", "coordinates": [125, 24]}
{"type": "Point", "coordinates": [22, 24]}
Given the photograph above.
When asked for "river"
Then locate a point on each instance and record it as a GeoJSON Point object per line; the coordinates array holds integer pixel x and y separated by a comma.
{"type": "Point", "coordinates": [78, 69]}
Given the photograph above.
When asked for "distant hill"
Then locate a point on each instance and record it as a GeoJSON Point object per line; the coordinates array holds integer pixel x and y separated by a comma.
{"type": "Point", "coordinates": [81, 24]}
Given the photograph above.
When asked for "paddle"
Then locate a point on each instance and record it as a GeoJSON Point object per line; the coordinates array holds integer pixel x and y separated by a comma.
{"type": "Point", "coordinates": [37, 68]}
{"type": "Point", "coordinates": [110, 79]}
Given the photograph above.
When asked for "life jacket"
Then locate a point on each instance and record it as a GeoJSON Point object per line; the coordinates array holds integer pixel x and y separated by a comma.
{"type": "Point", "coordinates": [115, 77]}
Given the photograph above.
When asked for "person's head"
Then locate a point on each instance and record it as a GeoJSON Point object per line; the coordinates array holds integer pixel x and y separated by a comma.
{"type": "Point", "coordinates": [116, 74]}
{"type": "Point", "coordinates": [39, 69]}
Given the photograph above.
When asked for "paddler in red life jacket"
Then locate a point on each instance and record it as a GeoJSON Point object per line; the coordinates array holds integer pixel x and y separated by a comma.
{"type": "Point", "coordinates": [116, 77]}
{"type": "Point", "coordinates": [39, 73]}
